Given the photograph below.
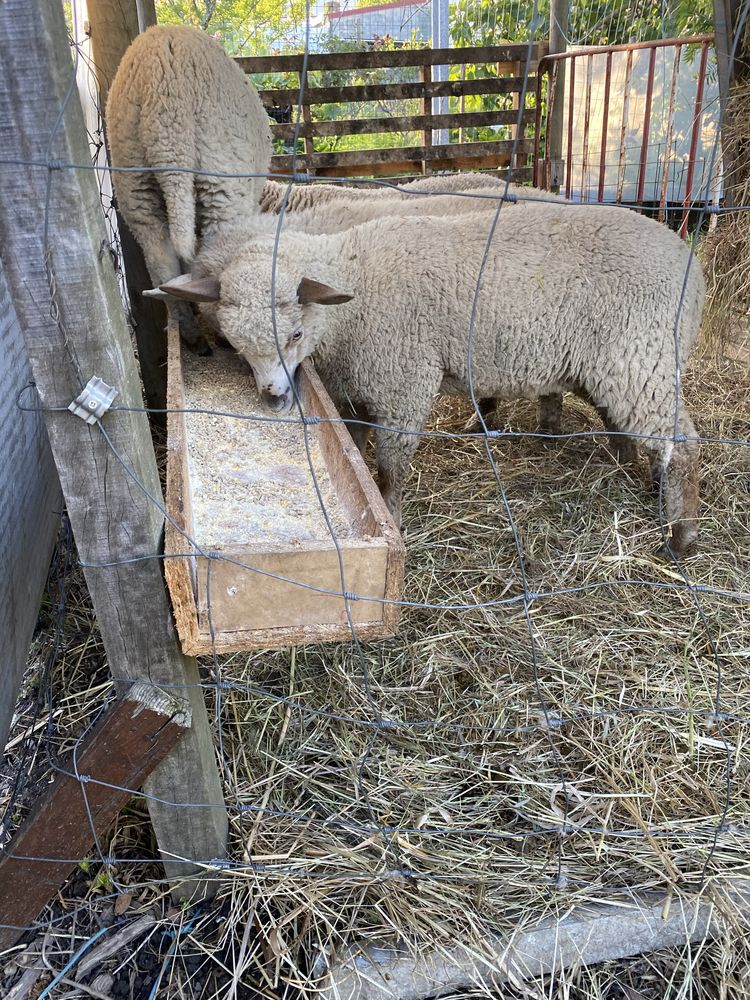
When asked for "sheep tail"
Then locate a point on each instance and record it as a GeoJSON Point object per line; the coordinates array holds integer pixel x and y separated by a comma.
{"type": "Point", "coordinates": [179, 197]}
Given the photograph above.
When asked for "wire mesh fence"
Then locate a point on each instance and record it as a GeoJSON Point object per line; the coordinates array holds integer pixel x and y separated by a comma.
{"type": "Point", "coordinates": [560, 721]}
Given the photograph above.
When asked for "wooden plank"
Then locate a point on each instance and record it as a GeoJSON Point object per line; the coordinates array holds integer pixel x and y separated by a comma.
{"type": "Point", "coordinates": [425, 75]}
{"type": "Point", "coordinates": [30, 504]}
{"type": "Point", "coordinates": [402, 171]}
{"type": "Point", "coordinates": [113, 24]}
{"type": "Point", "coordinates": [397, 57]}
{"type": "Point", "coordinates": [411, 154]}
{"type": "Point", "coordinates": [395, 91]}
{"type": "Point", "coordinates": [249, 611]}
{"type": "Point", "coordinates": [558, 41]}
{"type": "Point", "coordinates": [69, 310]}
{"type": "Point", "coordinates": [307, 121]}
{"type": "Point", "coordinates": [124, 747]}
{"type": "Point", "coordinates": [424, 122]}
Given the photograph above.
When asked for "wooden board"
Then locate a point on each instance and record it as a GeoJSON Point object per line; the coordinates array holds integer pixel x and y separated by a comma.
{"type": "Point", "coordinates": [396, 91]}
{"type": "Point", "coordinates": [70, 314]}
{"type": "Point", "coordinates": [264, 606]}
{"type": "Point", "coordinates": [132, 738]}
{"type": "Point", "coordinates": [402, 123]}
{"type": "Point", "coordinates": [383, 59]}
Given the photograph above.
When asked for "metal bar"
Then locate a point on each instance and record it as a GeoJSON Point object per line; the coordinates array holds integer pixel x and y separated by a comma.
{"type": "Point", "coordinates": [670, 129]}
{"type": "Point", "coordinates": [694, 138]}
{"type": "Point", "coordinates": [624, 127]}
{"type": "Point", "coordinates": [586, 122]}
{"type": "Point", "coordinates": [569, 157]}
{"type": "Point", "coordinates": [646, 126]}
{"type": "Point", "coordinates": [625, 47]}
{"type": "Point", "coordinates": [605, 123]}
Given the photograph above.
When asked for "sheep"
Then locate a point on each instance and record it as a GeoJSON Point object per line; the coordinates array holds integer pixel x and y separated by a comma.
{"type": "Point", "coordinates": [178, 99]}
{"type": "Point", "coordinates": [303, 197]}
{"type": "Point", "coordinates": [344, 207]}
{"type": "Point", "coordinates": [571, 297]}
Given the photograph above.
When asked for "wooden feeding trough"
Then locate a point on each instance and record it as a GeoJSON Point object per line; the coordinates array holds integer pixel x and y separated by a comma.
{"type": "Point", "coordinates": [242, 489]}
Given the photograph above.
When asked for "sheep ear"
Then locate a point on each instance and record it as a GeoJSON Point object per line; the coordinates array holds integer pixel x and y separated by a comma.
{"type": "Point", "coordinates": [193, 289]}
{"type": "Point", "coordinates": [156, 293]}
{"type": "Point", "coordinates": [310, 290]}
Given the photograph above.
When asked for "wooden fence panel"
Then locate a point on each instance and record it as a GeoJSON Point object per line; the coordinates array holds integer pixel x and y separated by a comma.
{"type": "Point", "coordinates": [507, 79]}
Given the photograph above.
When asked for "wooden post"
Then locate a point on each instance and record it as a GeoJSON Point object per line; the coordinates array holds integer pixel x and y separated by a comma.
{"type": "Point", "coordinates": [519, 160]}
{"type": "Point", "coordinates": [425, 76]}
{"type": "Point", "coordinates": [113, 24]}
{"type": "Point", "coordinates": [308, 120]}
{"type": "Point", "coordinates": [128, 742]}
{"type": "Point", "coordinates": [69, 310]}
{"type": "Point", "coordinates": [558, 32]}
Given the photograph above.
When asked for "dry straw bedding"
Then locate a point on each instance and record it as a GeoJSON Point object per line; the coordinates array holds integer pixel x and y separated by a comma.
{"type": "Point", "coordinates": [626, 675]}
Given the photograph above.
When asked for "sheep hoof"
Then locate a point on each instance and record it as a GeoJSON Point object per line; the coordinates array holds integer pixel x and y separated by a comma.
{"type": "Point", "coordinates": [550, 438]}
{"type": "Point", "coordinates": [676, 550]}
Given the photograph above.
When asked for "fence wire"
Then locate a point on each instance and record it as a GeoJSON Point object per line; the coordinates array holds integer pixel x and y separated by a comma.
{"type": "Point", "coordinates": [464, 739]}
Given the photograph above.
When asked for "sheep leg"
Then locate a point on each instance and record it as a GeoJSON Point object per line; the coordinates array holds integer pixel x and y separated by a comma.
{"type": "Point", "coordinates": [550, 413]}
{"type": "Point", "coordinates": [149, 228]}
{"type": "Point", "coordinates": [487, 409]}
{"type": "Point", "coordinates": [163, 264]}
{"type": "Point", "coordinates": [623, 448]}
{"type": "Point", "coordinates": [675, 468]}
{"type": "Point", "coordinates": [394, 452]}
{"type": "Point", "coordinates": [360, 432]}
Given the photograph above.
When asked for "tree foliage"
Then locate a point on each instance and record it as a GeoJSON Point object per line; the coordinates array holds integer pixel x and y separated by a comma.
{"type": "Point", "coordinates": [246, 27]}
{"type": "Point", "coordinates": [591, 22]}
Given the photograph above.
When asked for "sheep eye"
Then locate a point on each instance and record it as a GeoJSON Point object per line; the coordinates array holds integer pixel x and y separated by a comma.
{"type": "Point", "coordinates": [297, 336]}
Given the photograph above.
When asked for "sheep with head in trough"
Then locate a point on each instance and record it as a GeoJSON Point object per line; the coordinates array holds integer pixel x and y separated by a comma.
{"type": "Point", "coordinates": [177, 100]}
{"type": "Point", "coordinates": [330, 208]}
{"type": "Point", "coordinates": [600, 300]}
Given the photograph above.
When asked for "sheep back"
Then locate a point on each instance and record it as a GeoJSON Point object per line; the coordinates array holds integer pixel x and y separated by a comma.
{"type": "Point", "coordinates": [178, 99]}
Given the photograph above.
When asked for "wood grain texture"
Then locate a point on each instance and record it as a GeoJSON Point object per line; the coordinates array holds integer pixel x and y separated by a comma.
{"type": "Point", "coordinates": [113, 26]}
{"type": "Point", "coordinates": [117, 527]}
{"type": "Point", "coordinates": [402, 123]}
{"type": "Point", "coordinates": [127, 743]}
{"type": "Point", "coordinates": [252, 611]}
{"type": "Point", "coordinates": [394, 91]}
{"type": "Point", "coordinates": [30, 504]}
{"type": "Point", "coordinates": [398, 57]}
{"type": "Point", "coordinates": [499, 151]}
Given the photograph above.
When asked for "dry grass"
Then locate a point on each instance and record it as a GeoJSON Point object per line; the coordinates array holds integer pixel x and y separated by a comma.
{"type": "Point", "coordinates": [725, 252]}
{"type": "Point", "coordinates": [505, 786]}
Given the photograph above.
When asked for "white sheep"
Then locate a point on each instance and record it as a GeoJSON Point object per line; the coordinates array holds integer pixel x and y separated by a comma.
{"type": "Point", "coordinates": [177, 99]}
{"type": "Point", "coordinates": [572, 297]}
{"type": "Point", "coordinates": [303, 197]}
{"type": "Point", "coordinates": [331, 208]}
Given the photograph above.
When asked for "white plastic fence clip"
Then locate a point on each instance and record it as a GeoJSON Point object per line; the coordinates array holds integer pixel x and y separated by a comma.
{"type": "Point", "coordinates": [94, 401]}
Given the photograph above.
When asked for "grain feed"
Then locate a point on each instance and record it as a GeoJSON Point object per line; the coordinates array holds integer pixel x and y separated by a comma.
{"type": "Point", "coordinates": [250, 480]}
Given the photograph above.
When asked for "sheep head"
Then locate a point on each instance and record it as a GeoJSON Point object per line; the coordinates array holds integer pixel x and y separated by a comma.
{"type": "Point", "coordinates": [273, 341]}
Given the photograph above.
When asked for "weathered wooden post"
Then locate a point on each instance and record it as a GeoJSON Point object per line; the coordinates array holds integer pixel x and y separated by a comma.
{"type": "Point", "coordinates": [112, 25]}
{"type": "Point", "coordinates": [558, 33]}
{"type": "Point", "coordinates": [68, 307]}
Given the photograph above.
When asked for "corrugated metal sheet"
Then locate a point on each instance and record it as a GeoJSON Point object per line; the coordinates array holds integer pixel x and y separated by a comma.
{"type": "Point", "coordinates": [29, 500]}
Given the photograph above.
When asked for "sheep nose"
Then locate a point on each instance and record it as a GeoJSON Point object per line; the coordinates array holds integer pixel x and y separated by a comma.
{"type": "Point", "coordinates": [274, 402]}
